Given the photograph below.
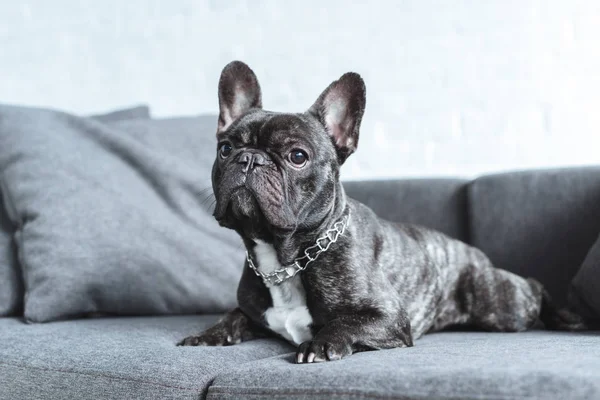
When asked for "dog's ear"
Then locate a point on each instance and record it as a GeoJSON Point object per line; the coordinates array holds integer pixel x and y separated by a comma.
{"type": "Point", "coordinates": [239, 91]}
{"type": "Point", "coordinates": [340, 109]}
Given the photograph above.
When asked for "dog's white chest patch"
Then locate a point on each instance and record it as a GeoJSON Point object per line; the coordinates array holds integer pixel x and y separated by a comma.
{"type": "Point", "coordinates": [289, 315]}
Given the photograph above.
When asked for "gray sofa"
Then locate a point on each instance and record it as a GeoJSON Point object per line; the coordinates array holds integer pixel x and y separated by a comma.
{"type": "Point", "coordinates": [535, 223]}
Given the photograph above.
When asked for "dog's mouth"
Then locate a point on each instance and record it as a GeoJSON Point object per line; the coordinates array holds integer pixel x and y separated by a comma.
{"type": "Point", "coordinates": [237, 204]}
{"type": "Point", "coordinates": [241, 210]}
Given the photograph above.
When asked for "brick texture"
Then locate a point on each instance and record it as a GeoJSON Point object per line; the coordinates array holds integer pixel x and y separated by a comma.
{"type": "Point", "coordinates": [460, 87]}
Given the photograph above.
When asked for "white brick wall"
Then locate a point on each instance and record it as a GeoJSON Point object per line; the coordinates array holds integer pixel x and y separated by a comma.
{"type": "Point", "coordinates": [458, 87]}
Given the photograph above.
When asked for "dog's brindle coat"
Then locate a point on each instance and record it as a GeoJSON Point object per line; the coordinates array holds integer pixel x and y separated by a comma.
{"type": "Point", "coordinates": [381, 285]}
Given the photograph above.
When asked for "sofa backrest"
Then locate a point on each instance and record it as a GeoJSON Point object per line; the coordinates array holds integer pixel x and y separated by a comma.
{"type": "Point", "coordinates": [537, 223]}
{"type": "Point", "coordinates": [440, 204]}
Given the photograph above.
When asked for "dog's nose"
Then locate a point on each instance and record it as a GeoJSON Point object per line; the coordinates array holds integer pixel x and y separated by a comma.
{"type": "Point", "coordinates": [251, 159]}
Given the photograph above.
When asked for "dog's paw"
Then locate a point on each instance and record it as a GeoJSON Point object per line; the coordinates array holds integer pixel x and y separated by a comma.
{"type": "Point", "coordinates": [209, 339]}
{"type": "Point", "coordinates": [192, 341]}
{"type": "Point", "coordinates": [317, 350]}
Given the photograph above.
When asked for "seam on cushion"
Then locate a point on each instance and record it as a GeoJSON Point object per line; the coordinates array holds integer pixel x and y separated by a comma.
{"type": "Point", "coordinates": [258, 391]}
{"type": "Point", "coordinates": [209, 385]}
{"type": "Point", "coordinates": [202, 391]}
{"type": "Point", "coordinates": [102, 375]}
{"type": "Point", "coordinates": [218, 374]}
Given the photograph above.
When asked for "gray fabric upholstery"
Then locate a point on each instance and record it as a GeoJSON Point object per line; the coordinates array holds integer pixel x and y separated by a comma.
{"type": "Point", "coordinates": [108, 221]}
{"type": "Point", "coordinates": [116, 358]}
{"type": "Point", "coordinates": [11, 281]}
{"type": "Point", "coordinates": [136, 358]}
{"type": "Point", "coordinates": [139, 112]}
{"type": "Point", "coordinates": [538, 224]}
{"type": "Point", "coordinates": [449, 365]}
{"type": "Point", "coordinates": [111, 220]}
{"type": "Point", "coordinates": [585, 287]}
{"type": "Point", "coordinates": [435, 203]}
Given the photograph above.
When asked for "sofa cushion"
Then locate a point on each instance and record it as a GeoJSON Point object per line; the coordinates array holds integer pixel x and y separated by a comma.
{"type": "Point", "coordinates": [111, 219]}
{"type": "Point", "coordinates": [448, 365]}
{"type": "Point", "coordinates": [11, 282]}
{"type": "Point", "coordinates": [585, 287]}
{"type": "Point", "coordinates": [538, 224]}
{"type": "Point", "coordinates": [131, 113]}
{"type": "Point", "coordinates": [435, 203]}
{"type": "Point", "coordinates": [116, 358]}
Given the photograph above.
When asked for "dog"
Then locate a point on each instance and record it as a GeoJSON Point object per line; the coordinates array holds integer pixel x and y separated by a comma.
{"type": "Point", "coordinates": [323, 271]}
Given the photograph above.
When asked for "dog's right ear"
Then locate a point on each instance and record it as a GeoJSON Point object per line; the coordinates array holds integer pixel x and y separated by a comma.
{"type": "Point", "coordinates": [340, 109]}
{"type": "Point", "coordinates": [239, 92]}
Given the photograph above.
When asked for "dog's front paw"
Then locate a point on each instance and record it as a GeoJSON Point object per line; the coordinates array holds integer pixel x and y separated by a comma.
{"type": "Point", "coordinates": [212, 337]}
{"type": "Point", "coordinates": [191, 341]}
{"type": "Point", "coordinates": [318, 350]}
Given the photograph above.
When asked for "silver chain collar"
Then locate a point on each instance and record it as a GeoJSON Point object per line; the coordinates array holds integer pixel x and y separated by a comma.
{"type": "Point", "coordinates": [310, 254]}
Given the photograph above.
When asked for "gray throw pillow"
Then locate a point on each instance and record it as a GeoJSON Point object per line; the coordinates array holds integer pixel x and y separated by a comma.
{"type": "Point", "coordinates": [110, 219]}
{"type": "Point", "coordinates": [11, 282]}
{"type": "Point", "coordinates": [138, 112]}
{"type": "Point", "coordinates": [584, 294]}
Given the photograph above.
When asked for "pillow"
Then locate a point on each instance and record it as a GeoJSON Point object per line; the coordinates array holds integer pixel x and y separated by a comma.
{"type": "Point", "coordinates": [110, 219]}
{"type": "Point", "coordinates": [138, 112]}
{"type": "Point", "coordinates": [584, 293]}
{"type": "Point", "coordinates": [11, 285]}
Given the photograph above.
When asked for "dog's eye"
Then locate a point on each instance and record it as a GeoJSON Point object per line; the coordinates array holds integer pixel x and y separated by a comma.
{"type": "Point", "coordinates": [225, 150]}
{"type": "Point", "coordinates": [298, 157]}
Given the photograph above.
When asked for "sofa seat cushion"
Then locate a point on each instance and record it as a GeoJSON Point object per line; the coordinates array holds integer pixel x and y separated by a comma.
{"type": "Point", "coordinates": [448, 365]}
{"type": "Point", "coordinates": [116, 358]}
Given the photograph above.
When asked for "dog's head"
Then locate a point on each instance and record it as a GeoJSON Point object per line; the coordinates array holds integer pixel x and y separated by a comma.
{"type": "Point", "coordinates": [277, 172]}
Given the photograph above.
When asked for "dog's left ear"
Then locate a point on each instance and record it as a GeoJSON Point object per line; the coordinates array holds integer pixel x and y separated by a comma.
{"type": "Point", "coordinates": [340, 109]}
{"type": "Point", "coordinates": [239, 91]}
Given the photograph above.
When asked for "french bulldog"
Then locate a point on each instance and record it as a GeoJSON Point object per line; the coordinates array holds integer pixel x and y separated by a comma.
{"type": "Point", "coordinates": [322, 270]}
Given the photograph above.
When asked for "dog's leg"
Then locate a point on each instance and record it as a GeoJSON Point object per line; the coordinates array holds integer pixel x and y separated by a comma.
{"type": "Point", "coordinates": [497, 300]}
{"type": "Point", "coordinates": [351, 333]}
{"type": "Point", "coordinates": [235, 327]}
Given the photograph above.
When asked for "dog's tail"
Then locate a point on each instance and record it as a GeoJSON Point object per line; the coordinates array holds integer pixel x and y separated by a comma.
{"type": "Point", "coordinates": [562, 319]}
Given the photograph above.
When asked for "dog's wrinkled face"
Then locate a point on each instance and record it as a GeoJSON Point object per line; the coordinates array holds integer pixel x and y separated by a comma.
{"type": "Point", "coordinates": [277, 172]}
